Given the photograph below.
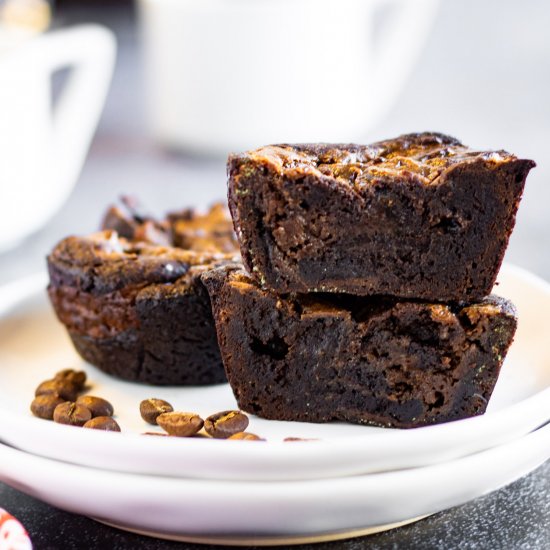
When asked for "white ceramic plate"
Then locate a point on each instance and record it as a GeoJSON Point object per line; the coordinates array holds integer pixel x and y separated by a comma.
{"type": "Point", "coordinates": [255, 511]}
{"type": "Point", "coordinates": [33, 345]}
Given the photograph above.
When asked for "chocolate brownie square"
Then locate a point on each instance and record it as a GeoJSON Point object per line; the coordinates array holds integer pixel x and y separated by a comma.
{"type": "Point", "coordinates": [135, 310]}
{"type": "Point", "coordinates": [371, 360]}
{"type": "Point", "coordinates": [419, 216]}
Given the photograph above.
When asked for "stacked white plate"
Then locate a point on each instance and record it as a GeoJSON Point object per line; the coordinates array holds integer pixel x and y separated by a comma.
{"type": "Point", "coordinates": [346, 480]}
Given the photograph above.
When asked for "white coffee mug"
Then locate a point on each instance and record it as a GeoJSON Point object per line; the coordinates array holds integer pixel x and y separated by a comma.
{"type": "Point", "coordinates": [42, 150]}
{"type": "Point", "coordinates": [226, 75]}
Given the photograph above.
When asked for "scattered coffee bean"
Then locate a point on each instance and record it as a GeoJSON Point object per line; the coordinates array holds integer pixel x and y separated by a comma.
{"type": "Point", "coordinates": [63, 388]}
{"type": "Point", "coordinates": [71, 413]}
{"type": "Point", "coordinates": [150, 409]}
{"type": "Point", "coordinates": [300, 439]}
{"type": "Point", "coordinates": [77, 377]}
{"type": "Point", "coordinates": [181, 424]}
{"type": "Point", "coordinates": [226, 423]}
{"type": "Point", "coordinates": [103, 423]}
{"type": "Point", "coordinates": [44, 405]}
{"type": "Point", "coordinates": [96, 405]}
{"type": "Point", "coordinates": [246, 435]}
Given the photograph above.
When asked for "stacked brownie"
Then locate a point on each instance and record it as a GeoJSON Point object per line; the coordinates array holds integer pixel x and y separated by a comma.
{"type": "Point", "coordinates": [368, 271]}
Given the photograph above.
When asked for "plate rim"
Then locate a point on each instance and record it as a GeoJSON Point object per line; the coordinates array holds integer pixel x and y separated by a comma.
{"type": "Point", "coordinates": [379, 493]}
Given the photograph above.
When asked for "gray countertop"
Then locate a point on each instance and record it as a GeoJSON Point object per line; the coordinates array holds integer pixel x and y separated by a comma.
{"type": "Point", "coordinates": [484, 77]}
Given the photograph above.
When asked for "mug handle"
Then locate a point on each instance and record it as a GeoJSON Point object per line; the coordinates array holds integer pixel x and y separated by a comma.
{"type": "Point", "coordinates": [399, 46]}
{"type": "Point", "coordinates": [89, 50]}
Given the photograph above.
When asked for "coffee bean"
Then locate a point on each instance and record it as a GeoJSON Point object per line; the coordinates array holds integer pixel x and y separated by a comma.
{"type": "Point", "coordinates": [103, 423]}
{"type": "Point", "coordinates": [150, 409]}
{"type": "Point", "coordinates": [300, 439]}
{"type": "Point", "coordinates": [96, 405]}
{"type": "Point", "coordinates": [63, 388]}
{"type": "Point", "coordinates": [71, 413]}
{"type": "Point", "coordinates": [44, 405]}
{"type": "Point", "coordinates": [226, 423]}
{"type": "Point", "coordinates": [182, 424]}
{"type": "Point", "coordinates": [77, 377]}
{"type": "Point", "coordinates": [246, 435]}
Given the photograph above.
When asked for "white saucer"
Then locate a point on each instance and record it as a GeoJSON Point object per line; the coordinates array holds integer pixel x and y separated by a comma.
{"type": "Point", "coordinates": [250, 512]}
{"type": "Point", "coordinates": [33, 346]}
{"type": "Point", "coordinates": [272, 540]}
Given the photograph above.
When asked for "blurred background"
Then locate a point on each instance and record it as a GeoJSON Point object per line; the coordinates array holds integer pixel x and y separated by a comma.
{"type": "Point", "coordinates": [196, 79]}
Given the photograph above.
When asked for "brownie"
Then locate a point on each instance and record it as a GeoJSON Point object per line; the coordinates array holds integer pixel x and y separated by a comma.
{"type": "Point", "coordinates": [136, 310]}
{"type": "Point", "coordinates": [188, 229]}
{"type": "Point", "coordinates": [372, 360]}
{"type": "Point", "coordinates": [419, 216]}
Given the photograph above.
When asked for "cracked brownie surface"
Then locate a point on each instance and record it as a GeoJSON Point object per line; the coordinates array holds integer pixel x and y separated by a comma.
{"type": "Point", "coordinates": [137, 310]}
{"type": "Point", "coordinates": [419, 216]}
{"type": "Point", "coordinates": [211, 231]}
{"type": "Point", "coordinates": [372, 360]}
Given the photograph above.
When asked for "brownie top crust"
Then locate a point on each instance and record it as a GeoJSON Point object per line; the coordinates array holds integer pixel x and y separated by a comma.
{"type": "Point", "coordinates": [103, 262]}
{"type": "Point", "coordinates": [421, 157]}
{"type": "Point", "coordinates": [211, 231]}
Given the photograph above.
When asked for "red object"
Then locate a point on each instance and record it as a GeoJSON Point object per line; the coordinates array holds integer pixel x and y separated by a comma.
{"type": "Point", "coordinates": [12, 534]}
